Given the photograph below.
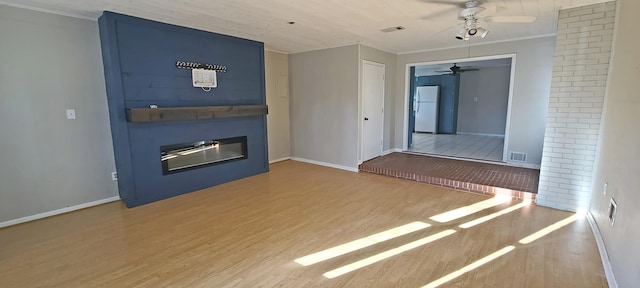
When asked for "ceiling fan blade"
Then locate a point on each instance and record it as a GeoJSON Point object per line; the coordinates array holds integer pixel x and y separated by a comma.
{"type": "Point", "coordinates": [446, 12]}
{"type": "Point", "coordinates": [510, 19]}
{"type": "Point", "coordinates": [443, 30]}
{"type": "Point", "coordinates": [465, 70]}
{"type": "Point", "coordinates": [448, 2]}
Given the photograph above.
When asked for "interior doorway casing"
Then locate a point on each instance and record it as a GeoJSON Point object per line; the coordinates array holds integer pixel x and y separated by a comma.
{"type": "Point", "coordinates": [407, 95]}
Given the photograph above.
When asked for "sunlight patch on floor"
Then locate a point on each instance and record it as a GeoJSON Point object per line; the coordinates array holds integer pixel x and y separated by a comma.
{"type": "Point", "coordinates": [387, 254]}
{"type": "Point", "coordinates": [470, 267]}
{"type": "Point", "coordinates": [468, 210]}
{"type": "Point", "coordinates": [494, 215]}
{"type": "Point", "coordinates": [549, 229]}
{"type": "Point", "coordinates": [361, 243]}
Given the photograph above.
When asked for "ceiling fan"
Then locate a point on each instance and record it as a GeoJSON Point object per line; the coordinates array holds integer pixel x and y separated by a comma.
{"type": "Point", "coordinates": [471, 26]}
{"type": "Point", "coordinates": [455, 69]}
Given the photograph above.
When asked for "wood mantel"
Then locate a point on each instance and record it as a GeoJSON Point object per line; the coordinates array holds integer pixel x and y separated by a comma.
{"type": "Point", "coordinates": [193, 113]}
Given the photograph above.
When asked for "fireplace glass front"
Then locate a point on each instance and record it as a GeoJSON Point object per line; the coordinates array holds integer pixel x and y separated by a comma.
{"type": "Point", "coordinates": [185, 156]}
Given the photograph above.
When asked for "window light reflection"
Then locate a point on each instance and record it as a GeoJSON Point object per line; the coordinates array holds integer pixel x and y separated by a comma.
{"type": "Point", "coordinates": [387, 254]}
{"type": "Point", "coordinates": [468, 210]}
{"type": "Point", "coordinates": [470, 267]}
{"type": "Point", "coordinates": [549, 229]}
{"type": "Point", "coordinates": [494, 215]}
{"type": "Point", "coordinates": [361, 243]}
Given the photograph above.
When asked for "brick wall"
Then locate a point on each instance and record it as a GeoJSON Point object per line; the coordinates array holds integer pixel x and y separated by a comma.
{"type": "Point", "coordinates": [581, 62]}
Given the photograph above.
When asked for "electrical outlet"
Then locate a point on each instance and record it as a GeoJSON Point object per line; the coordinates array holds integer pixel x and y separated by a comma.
{"type": "Point", "coordinates": [71, 114]}
{"type": "Point", "coordinates": [114, 176]}
{"type": "Point", "coordinates": [604, 189]}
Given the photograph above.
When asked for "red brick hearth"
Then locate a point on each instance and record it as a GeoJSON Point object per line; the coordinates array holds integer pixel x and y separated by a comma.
{"type": "Point", "coordinates": [483, 178]}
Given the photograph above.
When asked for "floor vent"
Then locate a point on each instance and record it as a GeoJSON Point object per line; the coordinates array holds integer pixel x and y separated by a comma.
{"type": "Point", "coordinates": [518, 156]}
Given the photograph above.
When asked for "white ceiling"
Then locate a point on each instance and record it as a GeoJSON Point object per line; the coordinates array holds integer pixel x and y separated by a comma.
{"type": "Point", "coordinates": [320, 24]}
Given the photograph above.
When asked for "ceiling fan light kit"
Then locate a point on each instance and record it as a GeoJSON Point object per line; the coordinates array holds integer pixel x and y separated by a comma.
{"type": "Point", "coordinates": [461, 34]}
{"type": "Point", "coordinates": [471, 28]}
{"type": "Point", "coordinates": [469, 14]}
{"type": "Point", "coordinates": [482, 32]}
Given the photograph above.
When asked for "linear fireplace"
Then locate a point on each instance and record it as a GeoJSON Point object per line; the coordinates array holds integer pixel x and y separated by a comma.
{"type": "Point", "coordinates": [185, 156]}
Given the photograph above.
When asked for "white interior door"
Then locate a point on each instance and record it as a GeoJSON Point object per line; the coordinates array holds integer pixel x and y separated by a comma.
{"type": "Point", "coordinates": [372, 109]}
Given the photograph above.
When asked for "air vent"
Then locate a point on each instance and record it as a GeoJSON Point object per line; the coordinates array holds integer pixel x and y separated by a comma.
{"type": "Point", "coordinates": [518, 156]}
{"type": "Point", "coordinates": [391, 29]}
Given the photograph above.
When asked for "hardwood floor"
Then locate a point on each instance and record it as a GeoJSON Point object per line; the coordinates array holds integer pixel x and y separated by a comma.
{"type": "Point", "coordinates": [481, 147]}
{"type": "Point", "coordinates": [248, 233]}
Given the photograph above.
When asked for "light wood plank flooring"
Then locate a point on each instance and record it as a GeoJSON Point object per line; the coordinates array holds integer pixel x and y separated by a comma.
{"type": "Point", "coordinates": [248, 233]}
{"type": "Point", "coordinates": [481, 147]}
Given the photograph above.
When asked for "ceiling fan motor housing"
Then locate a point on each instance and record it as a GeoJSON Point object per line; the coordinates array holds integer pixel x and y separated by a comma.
{"type": "Point", "coordinates": [470, 13]}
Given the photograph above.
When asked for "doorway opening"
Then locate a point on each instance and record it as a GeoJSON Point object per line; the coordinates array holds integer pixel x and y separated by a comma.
{"type": "Point", "coordinates": [460, 108]}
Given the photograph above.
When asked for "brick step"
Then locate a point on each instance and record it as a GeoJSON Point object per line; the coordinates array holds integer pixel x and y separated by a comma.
{"type": "Point", "coordinates": [481, 178]}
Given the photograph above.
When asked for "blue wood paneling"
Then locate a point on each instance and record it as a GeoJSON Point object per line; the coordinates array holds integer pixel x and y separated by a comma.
{"type": "Point", "coordinates": [412, 114]}
{"type": "Point", "coordinates": [448, 105]}
{"type": "Point", "coordinates": [139, 57]}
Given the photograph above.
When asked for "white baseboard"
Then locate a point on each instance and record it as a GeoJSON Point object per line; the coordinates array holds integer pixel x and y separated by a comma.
{"type": "Point", "coordinates": [387, 152]}
{"type": "Point", "coordinates": [384, 153]}
{"type": "Point", "coordinates": [523, 165]}
{"type": "Point", "coordinates": [480, 134]}
{"type": "Point", "coordinates": [352, 169]}
{"type": "Point", "coordinates": [279, 160]}
{"type": "Point", "coordinates": [604, 256]}
{"type": "Point", "coordinates": [57, 212]}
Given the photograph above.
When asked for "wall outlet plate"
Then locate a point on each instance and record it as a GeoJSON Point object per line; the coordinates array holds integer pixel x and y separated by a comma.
{"type": "Point", "coordinates": [604, 188]}
{"type": "Point", "coordinates": [71, 114]}
{"type": "Point", "coordinates": [114, 176]}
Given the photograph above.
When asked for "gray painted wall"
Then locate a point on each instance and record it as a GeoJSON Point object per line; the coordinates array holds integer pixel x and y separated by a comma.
{"type": "Point", "coordinates": [324, 105]}
{"type": "Point", "coordinates": [619, 153]}
{"type": "Point", "coordinates": [531, 88]}
{"type": "Point", "coordinates": [51, 63]}
{"type": "Point", "coordinates": [277, 86]}
{"type": "Point", "coordinates": [390, 60]}
{"type": "Point", "coordinates": [487, 115]}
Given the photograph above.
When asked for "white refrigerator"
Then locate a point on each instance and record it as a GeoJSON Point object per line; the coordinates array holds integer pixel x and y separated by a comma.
{"type": "Point", "coordinates": [426, 109]}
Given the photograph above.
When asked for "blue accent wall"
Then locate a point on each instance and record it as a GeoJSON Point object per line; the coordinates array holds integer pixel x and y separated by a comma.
{"type": "Point", "coordinates": [139, 60]}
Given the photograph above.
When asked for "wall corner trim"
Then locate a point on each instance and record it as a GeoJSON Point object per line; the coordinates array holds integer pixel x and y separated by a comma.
{"type": "Point", "coordinates": [331, 165]}
{"type": "Point", "coordinates": [387, 152]}
{"type": "Point", "coordinates": [58, 212]}
{"type": "Point", "coordinates": [608, 271]}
